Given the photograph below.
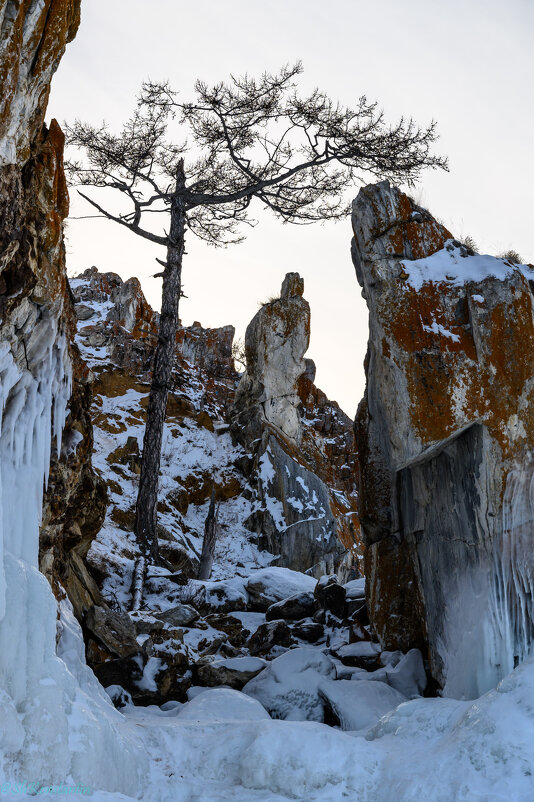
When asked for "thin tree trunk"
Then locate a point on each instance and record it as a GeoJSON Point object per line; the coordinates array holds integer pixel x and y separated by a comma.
{"type": "Point", "coordinates": [210, 538]}
{"type": "Point", "coordinates": [147, 498]}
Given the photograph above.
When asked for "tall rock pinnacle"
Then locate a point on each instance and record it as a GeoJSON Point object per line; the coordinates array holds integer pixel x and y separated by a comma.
{"type": "Point", "coordinates": [445, 434]}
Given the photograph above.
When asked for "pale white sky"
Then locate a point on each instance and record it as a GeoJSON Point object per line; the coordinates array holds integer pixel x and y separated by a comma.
{"type": "Point", "coordinates": [467, 64]}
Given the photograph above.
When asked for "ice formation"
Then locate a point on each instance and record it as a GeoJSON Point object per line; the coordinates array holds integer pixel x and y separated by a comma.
{"type": "Point", "coordinates": [512, 601]}
{"type": "Point", "coordinates": [57, 724]}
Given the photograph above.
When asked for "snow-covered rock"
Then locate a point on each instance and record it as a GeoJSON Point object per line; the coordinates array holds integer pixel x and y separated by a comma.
{"type": "Point", "coordinates": [180, 616]}
{"type": "Point", "coordinates": [295, 607]}
{"type": "Point", "coordinates": [270, 585]}
{"type": "Point", "coordinates": [359, 705]}
{"type": "Point", "coordinates": [362, 654]}
{"type": "Point", "coordinates": [222, 704]}
{"type": "Point", "coordinates": [288, 686]}
{"type": "Point", "coordinates": [269, 638]}
{"type": "Point", "coordinates": [408, 676]}
{"type": "Point", "coordinates": [233, 672]}
{"type": "Point", "coordinates": [355, 589]}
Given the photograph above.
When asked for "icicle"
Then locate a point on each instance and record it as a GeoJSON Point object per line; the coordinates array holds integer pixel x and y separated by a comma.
{"type": "Point", "coordinates": [512, 601]}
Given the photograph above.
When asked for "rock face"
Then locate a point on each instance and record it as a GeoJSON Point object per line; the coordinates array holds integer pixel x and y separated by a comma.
{"type": "Point", "coordinates": [35, 304]}
{"type": "Point", "coordinates": [306, 501]}
{"type": "Point", "coordinates": [32, 41]}
{"type": "Point", "coordinates": [275, 343]}
{"type": "Point", "coordinates": [43, 383]}
{"type": "Point", "coordinates": [445, 434]}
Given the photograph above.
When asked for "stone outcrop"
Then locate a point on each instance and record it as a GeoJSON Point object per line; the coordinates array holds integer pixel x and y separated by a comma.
{"type": "Point", "coordinates": [302, 445]}
{"type": "Point", "coordinates": [33, 37]}
{"type": "Point", "coordinates": [35, 304]}
{"type": "Point", "coordinates": [126, 326]}
{"type": "Point", "coordinates": [445, 435]}
{"type": "Point", "coordinates": [208, 349]}
{"type": "Point", "coordinates": [275, 343]}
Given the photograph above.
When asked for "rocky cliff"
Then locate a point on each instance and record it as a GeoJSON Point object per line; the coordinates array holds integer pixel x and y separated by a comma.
{"type": "Point", "coordinates": [313, 486]}
{"type": "Point", "coordinates": [445, 434]}
{"type": "Point", "coordinates": [35, 303]}
{"type": "Point", "coordinates": [45, 397]}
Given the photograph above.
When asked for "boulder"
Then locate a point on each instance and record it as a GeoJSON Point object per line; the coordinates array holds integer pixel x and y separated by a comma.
{"type": "Point", "coordinates": [222, 596]}
{"type": "Point", "coordinates": [331, 597]}
{"type": "Point", "coordinates": [115, 630]}
{"type": "Point", "coordinates": [289, 686]}
{"type": "Point", "coordinates": [183, 615]}
{"type": "Point", "coordinates": [358, 705]}
{"type": "Point", "coordinates": [300, 605]}
{"type": "Point", "coordinates": [308, 630]}
{"type": "Point", "coordinates": [268, 635]}
{"type": "Point", "coordinates": [230, 625]}
{"type": "Point", "coordinates": [268, 586]}
{"type": "Point", "coordinates": [234, 672]}
{"type": "Point", "coordinates": [408, 676]}
{"type": "Point", "coordinates": [364, 654]}
{"type": "Point", "coordinates": [222, 704]}
{"type": "Point", "coordinates": [84, 312]}
{"type": "Point", "coordinates": [118, 696]}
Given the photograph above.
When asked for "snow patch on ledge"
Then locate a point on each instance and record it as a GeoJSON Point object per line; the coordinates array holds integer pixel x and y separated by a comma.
{"type": "Point", "coordinates": [450, 267]}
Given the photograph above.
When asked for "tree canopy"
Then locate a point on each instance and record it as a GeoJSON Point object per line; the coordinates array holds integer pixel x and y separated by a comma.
{"type": "Point", "coordinates": [244, 139]}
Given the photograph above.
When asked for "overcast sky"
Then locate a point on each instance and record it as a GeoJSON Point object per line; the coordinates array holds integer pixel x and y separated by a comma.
{"type": "Point", "coordinates": [468, 64]}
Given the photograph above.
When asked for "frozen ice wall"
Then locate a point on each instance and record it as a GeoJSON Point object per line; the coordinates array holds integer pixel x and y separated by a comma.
{"type": "Point", "coordinates": [512, 599]}
{"type": "Point", "coordinates": [57, 724]}
{"type": "Point", "coordinates": [495, 603]}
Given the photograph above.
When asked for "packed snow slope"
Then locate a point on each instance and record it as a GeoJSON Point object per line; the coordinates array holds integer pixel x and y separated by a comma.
{"type": "Point", "coordinates": [446, 441]}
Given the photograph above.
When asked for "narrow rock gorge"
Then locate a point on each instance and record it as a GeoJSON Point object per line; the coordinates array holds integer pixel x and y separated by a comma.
{"type": "Point", "coordinates": [445, 434]}
{"type": "Point", "coordinates": [359, 569]}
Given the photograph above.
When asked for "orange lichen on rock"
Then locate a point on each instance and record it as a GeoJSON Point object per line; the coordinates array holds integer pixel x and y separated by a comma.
{"type": "Point", "coordinates": [29, 56]}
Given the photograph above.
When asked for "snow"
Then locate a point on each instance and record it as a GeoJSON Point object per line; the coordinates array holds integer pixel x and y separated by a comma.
{"type": "Point", "coordinates": [359, 705]}
{"type": "Point", "coordinates": [288, 686]}
{"type": "Point", "coordinates": [276, 584]}
{"type": "Point", "coordinates": [222, 704]}
{"type": "Point", "coordinates": [355, 589]}
{"type": "Point", "coordinates": [437, 328]}
{"type": "Point", "coordinates": [362, 648]}
{"type": "Point", "coordinates": [250, 621]}
{"type": "Point", "coordinates": [448, 266]}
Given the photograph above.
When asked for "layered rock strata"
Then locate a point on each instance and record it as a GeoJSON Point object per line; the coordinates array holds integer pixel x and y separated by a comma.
{"type": "Point", "coordinates": [445, 434]}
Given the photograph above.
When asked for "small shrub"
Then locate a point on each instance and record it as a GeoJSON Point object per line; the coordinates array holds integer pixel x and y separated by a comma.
{"type": "Point", "coordinates": [469, 243]}
{"type": "Point", "coordinates": [272, 299]}
{"type": "Point", "coordinates": [239, 353]}
{"type": "Point", "coordinates": [511, 256]}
